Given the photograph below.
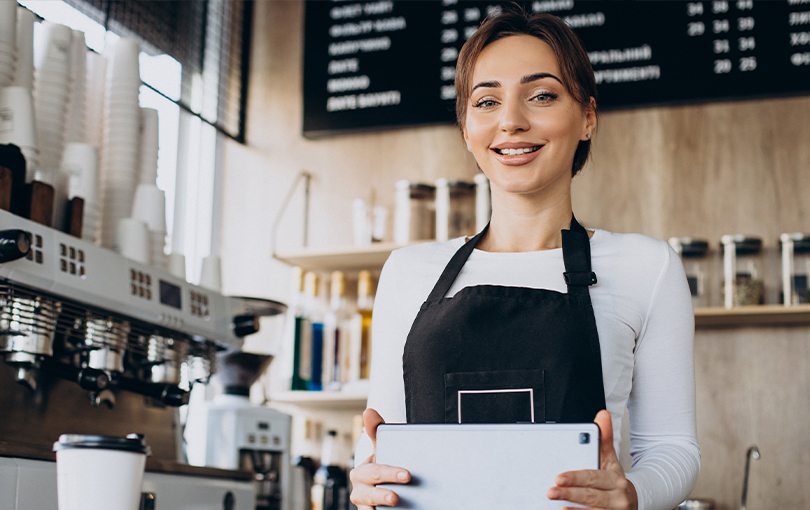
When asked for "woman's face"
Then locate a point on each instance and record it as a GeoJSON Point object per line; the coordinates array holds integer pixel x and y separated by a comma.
{"type": "Point", "coordinates": [522, 125]}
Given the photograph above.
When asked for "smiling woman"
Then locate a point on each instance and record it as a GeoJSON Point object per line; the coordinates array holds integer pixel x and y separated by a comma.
{"type": "Point", "coordinates": [518, 309]}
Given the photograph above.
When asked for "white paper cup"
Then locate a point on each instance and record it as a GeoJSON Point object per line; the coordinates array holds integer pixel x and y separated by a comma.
{"type": "Point", "coordinates": [176, 264]}
{"type": "Point", "coordinates": [80, 160]}
{"type": "Point", "coordinates": [125, 64]}
{"type": "Point", "coordinates": [99, 472]}
{"type": "Point", "coordinates": [132, 240]}
{"type": "Point", "coordinates": [8, 22]}
{"type": "Point", "coordinates": [211, 273]}
{"type": "Point", "coordinates": [17, 117]}
{"type": "Point", "coordinates": [24, 75]}
{"type": "Point", "coordinates": [54, 54]}
{"type": "Point", "coordinates": [149, 206]}
{"type": "Point", "coordinates": [149, 145]}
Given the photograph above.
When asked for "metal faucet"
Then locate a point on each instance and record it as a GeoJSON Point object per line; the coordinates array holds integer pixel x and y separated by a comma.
{"type": "Point", "coordinates": [753, 451]}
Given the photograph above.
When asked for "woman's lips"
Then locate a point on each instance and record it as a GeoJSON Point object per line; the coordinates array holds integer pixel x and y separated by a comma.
{"type": "Point", "coordinates": [512, 159]}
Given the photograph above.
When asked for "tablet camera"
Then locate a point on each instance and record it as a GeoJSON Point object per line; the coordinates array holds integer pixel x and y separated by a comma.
{"type": "Point", "coordinates": [584, 438]}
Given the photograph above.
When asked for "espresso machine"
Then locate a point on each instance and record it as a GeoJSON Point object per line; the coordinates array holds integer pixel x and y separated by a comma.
{"type": "Point", "coordinates": [94, 343]}
{"type": "Point", "coordinates": [232, 433]}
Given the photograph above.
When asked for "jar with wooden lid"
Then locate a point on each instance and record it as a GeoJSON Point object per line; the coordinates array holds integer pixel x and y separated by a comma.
{"type": "Point", "coordinates": [455, 209]}
{"type": "Point", "coordinates": [743, 283]}
{"type": "Point", "coordinates": [795, 268]}
{"type": "Point", "coordinates": [415, 212]}
{"type": "Point", "coordinates": [693, 254]}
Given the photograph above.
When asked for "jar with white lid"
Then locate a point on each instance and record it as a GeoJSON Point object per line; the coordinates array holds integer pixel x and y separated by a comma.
{"type": "Point", "coordinates": [455, 209]}
{"type": "Point", "coordinates": [795, 268]}
{"type": "Point", "coordinates": [693, 253]}
{"type": "Point", "coordinates": [743, 283]}
{"type": "Point", "coordinates": [415, 212]}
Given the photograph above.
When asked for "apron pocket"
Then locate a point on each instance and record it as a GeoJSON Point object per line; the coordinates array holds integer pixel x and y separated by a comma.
{"type": "Point", "coordinates": [504, 396]}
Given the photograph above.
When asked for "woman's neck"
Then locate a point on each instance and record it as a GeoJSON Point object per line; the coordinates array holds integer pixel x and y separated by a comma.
{"type": "Point", "coordinates": [522, 223]}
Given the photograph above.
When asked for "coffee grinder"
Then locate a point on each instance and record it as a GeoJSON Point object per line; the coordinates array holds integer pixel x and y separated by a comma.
{"type": "Point", "coordinates": [235, 434]}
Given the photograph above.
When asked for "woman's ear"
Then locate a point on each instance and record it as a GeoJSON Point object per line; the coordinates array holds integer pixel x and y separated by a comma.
{"type": "Point", "coordinates": [590, 121]}
{"type": "Point", "coordinates": [466, 141]}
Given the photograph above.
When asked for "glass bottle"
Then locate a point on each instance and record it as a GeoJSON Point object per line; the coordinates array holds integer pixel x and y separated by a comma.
{"type": "Point", "coordinates": [365, 303]}
{"type": "Point", "coordinates": [743, 283]}
{"type": "Point", "coordinates": [314, 314]}
{"type": "Point", "coordinates": [302, 336]}
{"type": "Point", "coordinates": [337, 337]}
{"type": "Point", "coordinates": [695, 264]}
{"type": "Point", "coordinates": [795, 268]}
{"type": "Point", "coordinates": [330, 485]}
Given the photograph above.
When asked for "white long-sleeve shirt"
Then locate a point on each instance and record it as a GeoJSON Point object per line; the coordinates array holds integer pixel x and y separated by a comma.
{"type": "Point", "coordinates": [645, 323]}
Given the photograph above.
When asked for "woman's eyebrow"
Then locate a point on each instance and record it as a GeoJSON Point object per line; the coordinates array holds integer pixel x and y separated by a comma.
{"type": "Point", "coordinates": [538, 76]}
{"type": "Point", "coordinates": [487, 84]}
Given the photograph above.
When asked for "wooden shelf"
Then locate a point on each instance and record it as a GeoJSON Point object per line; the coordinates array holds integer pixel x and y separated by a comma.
{"type": "Point", "coordinates": [349, 258]}
{"type": "Point", "coordinates": [332, 400]}
{"type": "Point", "coordinates": [745, 316]}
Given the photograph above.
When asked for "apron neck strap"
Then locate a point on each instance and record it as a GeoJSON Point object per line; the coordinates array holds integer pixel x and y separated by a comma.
{"type": "Point", "coordinates": [576, 255]}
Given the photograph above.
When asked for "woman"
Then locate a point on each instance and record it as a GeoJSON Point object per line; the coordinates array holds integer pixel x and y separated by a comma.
{"type": "Point", "coordinates": [590, 320]}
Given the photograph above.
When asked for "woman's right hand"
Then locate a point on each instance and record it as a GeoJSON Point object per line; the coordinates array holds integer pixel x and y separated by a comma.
{"type": "Point", "coordinates": [365, 494]}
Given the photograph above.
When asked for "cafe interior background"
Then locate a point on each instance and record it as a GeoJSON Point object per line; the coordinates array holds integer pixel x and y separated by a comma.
{"type": "Point", "coordinates": [245, 184]}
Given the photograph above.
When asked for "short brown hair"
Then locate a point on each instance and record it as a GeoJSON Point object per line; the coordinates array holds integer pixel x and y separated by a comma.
{"type": "Point", "coordinates": [575, 66]}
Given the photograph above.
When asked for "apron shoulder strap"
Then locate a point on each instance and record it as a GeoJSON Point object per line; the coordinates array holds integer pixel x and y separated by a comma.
{"type": "Point", "coordinates": [453, 267]}
{"type": "Point", "coordinates": [577, 258]}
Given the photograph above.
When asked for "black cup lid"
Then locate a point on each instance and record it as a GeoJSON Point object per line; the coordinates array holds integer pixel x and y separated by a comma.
{"type": "Point", "coordinates": [744, 245]}
{"type": "Point", "coordinates": [132, 443]}
{"type": "Point", "coordinates": [690, 247]}
{"type": "Point", "coordinates": [801, 242]}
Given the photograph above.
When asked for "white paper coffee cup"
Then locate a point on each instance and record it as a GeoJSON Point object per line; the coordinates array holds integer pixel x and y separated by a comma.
{"type": "Point", "coordinates": [99, 472]}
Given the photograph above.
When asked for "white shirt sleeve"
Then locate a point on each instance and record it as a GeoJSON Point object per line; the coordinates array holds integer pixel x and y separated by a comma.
{"type": "Point", "coordinates": [663, 438]}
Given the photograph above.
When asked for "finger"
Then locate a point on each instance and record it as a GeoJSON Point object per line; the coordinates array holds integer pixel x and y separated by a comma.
{"type": "Point", "coordinates": [591, 498]}
{"type": "Point", "coordinates": [592, 478]}
{"type": "Point", "coordinates": [371, 419]}
{"type": "Point", "coordinates": [607, 452]}
{"type": "Point", "coordinates": [374, 496]}
{"type": "Point", "coordinates": [373, 474]}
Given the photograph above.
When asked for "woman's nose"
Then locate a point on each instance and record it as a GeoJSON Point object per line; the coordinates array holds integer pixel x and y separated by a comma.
{"type": "Point", "coordinates": [513, 117]}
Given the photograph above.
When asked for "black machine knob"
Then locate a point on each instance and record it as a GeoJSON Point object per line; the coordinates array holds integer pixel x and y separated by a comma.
{"type": "Point", "coordinates": [93, 380]}
{"type": "Point", "coordinates": [244, 325]}
{"type": "Point", "coordinates": [174, 396]}
{"type": "Point", "coordinates": [14, 244]}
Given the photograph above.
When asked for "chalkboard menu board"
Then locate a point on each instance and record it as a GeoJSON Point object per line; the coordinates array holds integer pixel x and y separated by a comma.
{"type": "Point", "coordinates": [385, 63]}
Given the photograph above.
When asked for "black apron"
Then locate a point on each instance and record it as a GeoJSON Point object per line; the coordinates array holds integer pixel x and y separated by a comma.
{"type": "Point", "coordinates": [495, 354]}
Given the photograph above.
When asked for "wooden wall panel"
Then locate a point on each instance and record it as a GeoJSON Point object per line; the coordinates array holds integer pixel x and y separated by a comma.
{"type": "Point", "coordinates": [701, 170]}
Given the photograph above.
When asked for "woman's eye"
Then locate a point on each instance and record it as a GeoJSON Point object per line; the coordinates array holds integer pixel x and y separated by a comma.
{"type": "Point", "coordinates": [544, 97]}
{"type": "Point", "coordinates": [485, 103]}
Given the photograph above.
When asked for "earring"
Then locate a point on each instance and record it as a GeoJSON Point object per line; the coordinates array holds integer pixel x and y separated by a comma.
{"type": "Point", "coordinates": [588, 136]}
{"type": "Point", "coordinates": [469, 148]}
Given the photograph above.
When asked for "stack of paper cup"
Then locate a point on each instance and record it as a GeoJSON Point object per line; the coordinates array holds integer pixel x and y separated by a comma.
{"type": "Point", "coordinates": [176, 264]}
{"type": "Point", "coordinates": [74, 126]}
{"type": "Point", "coordinates": [149, 206]}
{"type": "Point", "coordinates": [51, 92]}
{"type": "Point", "coordinates": [80, 162]}
{"type": "Point", "coordinates": [95, 81]}
{"type": "Point", "coordinates": [211, 273]}
{"type": "Point", "coordinates": [24, 74]}
{"type": "Point", "coordinates": [149, 146]}
{"type": "Point", "coordinates": [17, 126]}
{"type": "Point", "coordinates": [8, 42]}
{"type": "Point", "coordinates": [132, 240]}
{"type": "Point", "coordinates": [122, 115]}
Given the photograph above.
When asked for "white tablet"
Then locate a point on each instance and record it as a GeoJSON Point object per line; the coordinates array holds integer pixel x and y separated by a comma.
{"type": "Point", "coordinates": [470, 466]}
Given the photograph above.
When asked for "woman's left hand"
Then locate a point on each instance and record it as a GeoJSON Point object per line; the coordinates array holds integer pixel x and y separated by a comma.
{"type": "Point", "coordinates": [605, 488]}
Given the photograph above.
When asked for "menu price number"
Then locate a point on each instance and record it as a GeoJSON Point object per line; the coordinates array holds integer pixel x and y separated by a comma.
{"type": "Point", "coordinates": [745, 64]}
{"type": "Point", "coordinates": [717, 7]}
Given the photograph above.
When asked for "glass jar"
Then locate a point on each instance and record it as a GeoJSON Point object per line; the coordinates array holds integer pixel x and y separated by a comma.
{"type": "Point", "coordinates": [795, 268]}
{"type": "Point", "coordinates": [455, 209]}
{"type": "Point", "coordinates": [483, 202]}
{"type": "Point", "coordinates": [415, 212]}
{"type": "Point", "coordinates": [693, 253]}
{"type": "Point", "coordinates": [742, 271]}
